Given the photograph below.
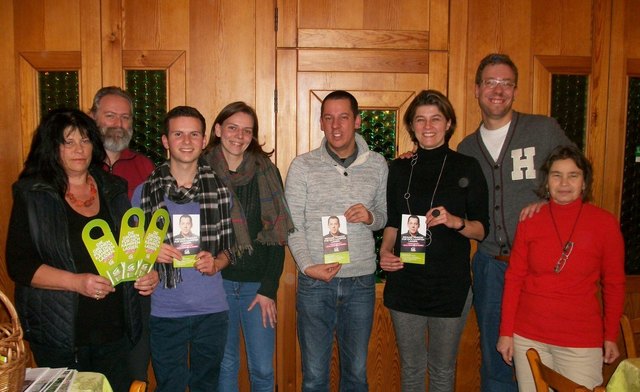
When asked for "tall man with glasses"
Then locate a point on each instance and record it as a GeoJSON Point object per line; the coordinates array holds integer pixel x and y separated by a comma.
{"type": "Point", "coordinates": [510, 148]}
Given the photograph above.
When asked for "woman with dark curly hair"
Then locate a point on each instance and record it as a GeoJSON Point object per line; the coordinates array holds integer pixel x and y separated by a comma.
{"type": "Point", "coordinates": [72, 317]}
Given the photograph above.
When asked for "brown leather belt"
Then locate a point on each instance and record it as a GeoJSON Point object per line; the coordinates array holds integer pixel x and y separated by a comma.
{"type": "Point", "coordinates": [502, 258]}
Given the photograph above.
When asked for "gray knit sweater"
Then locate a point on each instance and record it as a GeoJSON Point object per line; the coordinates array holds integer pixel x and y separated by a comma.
{"type": "Point", "coordinates": [318, 186]}
{"type": "Point", "coordinates": [513, 179]}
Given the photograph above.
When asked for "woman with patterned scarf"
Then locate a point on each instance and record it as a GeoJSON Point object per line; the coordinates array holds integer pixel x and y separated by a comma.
{"type": "Point", "coordinates": [261, 223]}
{"type": "Point", "coordinates": [189, 312]}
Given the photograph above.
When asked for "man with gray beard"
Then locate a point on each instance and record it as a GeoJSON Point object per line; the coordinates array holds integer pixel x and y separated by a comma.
{"type": "Point", "coordinates": [112, 111]}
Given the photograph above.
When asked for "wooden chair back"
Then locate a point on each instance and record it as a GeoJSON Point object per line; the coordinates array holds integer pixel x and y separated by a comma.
{"type": "Point", "coordinates": [630, 328]}
{"type": "Point", "coordinates": [545, 377]}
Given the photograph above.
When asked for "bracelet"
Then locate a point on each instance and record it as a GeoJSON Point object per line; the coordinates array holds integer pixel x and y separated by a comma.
{"type": "Point", "coordinates": [462, 227]}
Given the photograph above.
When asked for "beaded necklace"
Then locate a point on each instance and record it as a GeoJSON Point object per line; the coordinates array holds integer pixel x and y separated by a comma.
{"type": "Point", "coordinates": [83, 203]}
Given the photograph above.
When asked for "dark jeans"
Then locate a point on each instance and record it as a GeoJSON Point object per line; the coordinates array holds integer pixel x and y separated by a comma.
{"type": "Point", "coordinates": [187, 351]}
{"type": "Point", "coordinates": [109, 359]}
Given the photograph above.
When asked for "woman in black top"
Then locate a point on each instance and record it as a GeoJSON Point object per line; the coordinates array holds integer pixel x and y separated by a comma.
{"type": "Point", "coordinates": [429, 296]}
{"type": "Point", "coordinates": [72, 317]}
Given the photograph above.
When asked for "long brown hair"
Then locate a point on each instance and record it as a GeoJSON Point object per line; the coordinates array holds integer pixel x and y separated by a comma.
{"type": "Point", "coordinates": [238, 107]}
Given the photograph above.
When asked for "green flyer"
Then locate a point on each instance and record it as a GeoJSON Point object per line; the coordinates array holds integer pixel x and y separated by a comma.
{"type": "Point", "coordinates": [104, 251]}
{"type": "Point", "coordinates": [131, 242]}
{"type": "Point", "coordinates": [153, 240]}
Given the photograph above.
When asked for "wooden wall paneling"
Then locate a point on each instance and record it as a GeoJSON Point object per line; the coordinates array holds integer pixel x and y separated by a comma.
{"type": "Point", "coordinates": [141, 24]}
{"type": "Point", "coordinates": [502, 26]}
{"type": "Point", "coordinates": [460, 81]}
{"type": "Point", "coordinates": [29, 103]}
{"type": "Point", "coordinates": [469, 356]}
{"type": "Point", "coordinates": [111, 32]}
{"type": "Point", "coordinates": [363, 39]}
{"type": "Point", "coordinates": [563, 31]}
{"type": "Point", "coordinates": [222, 54]}
{"type": "Point", "coordinates": [599, 94]}
{"type": "Point", "coordinates": [287, 109]}
{"type": "Point", "coordinates": [372, 14]}
{"type": "Point", "coordinates": [517, 18]}
{"type": "Point", "coordinates": [11, 157]}
{"type": "Point", "coordinates": [439, 72]}
{"type": "Point", "coordinates": [236, 42]}
{"type": "Point", "coordinates": [331, 14]}
{"type": "Point", "coordinates": [265, 72]}
{"type": "Point", "coordinates": [398, 15]}
{"type": "Point", "coordinates": [483, 34]}
{"type": "Point", "coordinates": [29, 15]}
{"type": "Point", "coordinates": [617, 108]}
{"type": "Point", "coordinates": [90, 41]}
{"type": "Point", "coordinates": [576, 34]}
{"type": "Point", "coordinates": [203, 57]}
{"type": "Point", "coordinates": [439, 22]}
{"type": "Point", "coordinates": [287, 358]}
{"type": "Point", "coordinates": [632, 28]}
{"type": "Point", "coordinates": [383, 362]}
{"type": "Point", "coordinates": [155, 25]}
{"type": "Point", "coordinates": [363, 60]}
{"type": "Point", "coordinates": [287, 16]}
{"type": "Point", "coordinates": [541, 94]}
{"type": "Point", "coordinates": [59, 33]}
{"type": "Point", "coordinates": [546, 29]}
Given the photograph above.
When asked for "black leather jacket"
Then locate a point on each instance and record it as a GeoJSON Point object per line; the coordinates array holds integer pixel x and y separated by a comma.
{"type": "Point", "coordinates": [48, 317]}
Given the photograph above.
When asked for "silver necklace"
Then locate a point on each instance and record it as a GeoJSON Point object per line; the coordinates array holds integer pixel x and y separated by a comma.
{"type": "Point", "coordinates": [407, 194]}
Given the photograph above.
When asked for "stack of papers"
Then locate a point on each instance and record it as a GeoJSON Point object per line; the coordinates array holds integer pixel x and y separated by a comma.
{"type": "Point", "coordinates": [44, 379]}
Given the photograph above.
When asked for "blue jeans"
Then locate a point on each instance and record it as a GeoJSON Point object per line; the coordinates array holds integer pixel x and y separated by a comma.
{"type": "Point", "coordinates": [429, 342]}
{"type": "Point", "coordinates": [259, 341]}
{"type": "Point", "coordinates": [488, 284]}
{"type": "Point", "coordinates": [187, 351]}
{"type": "Point", "coordinates": [344, 306]}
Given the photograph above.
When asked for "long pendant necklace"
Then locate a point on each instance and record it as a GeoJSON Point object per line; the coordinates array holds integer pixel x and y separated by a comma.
{"type": "Point", "coordinates": [567, 247]}
{"type": "Point", "coordinates": [407, 194]}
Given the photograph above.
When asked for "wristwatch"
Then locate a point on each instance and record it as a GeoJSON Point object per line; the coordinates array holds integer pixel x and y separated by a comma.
{"type": "Point", "coordinates": [461, 227]}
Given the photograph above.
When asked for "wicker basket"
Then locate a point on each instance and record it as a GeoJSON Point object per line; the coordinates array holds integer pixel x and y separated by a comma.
{"type": "Point", "coordinates": [11, 348]}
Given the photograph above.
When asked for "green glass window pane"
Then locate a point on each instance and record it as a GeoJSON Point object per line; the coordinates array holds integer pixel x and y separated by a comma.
{"type": "Point", "coordinates": [569, 95]}
{"type": "Point", "coordinates": [149, 91]}
{"type": "Point", "coordinates": [630, 210]}
{"type": "Point", "coordinates": [379, 130]}
{"type": "Point", "coordinates": [58, 89]}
